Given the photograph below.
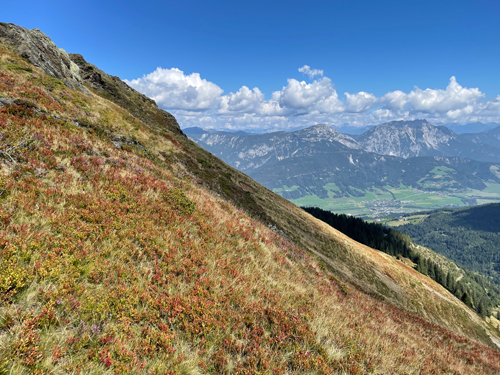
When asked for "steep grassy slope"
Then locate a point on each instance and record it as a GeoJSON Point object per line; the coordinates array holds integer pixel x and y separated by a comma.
{"type": "Point", "coordinates": [262, 204]}
{"type": "Point", "coordinates": [125, 248]}
{"type": "Point", "coordinates": [478, 291]}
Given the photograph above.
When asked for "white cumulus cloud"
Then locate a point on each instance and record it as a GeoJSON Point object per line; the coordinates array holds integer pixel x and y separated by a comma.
{"type": "Point", "coordinates": [299, 97]}
{"type": "Point", "coordinates": [306, 69]}
{"type": "Point", "coordinates": [454, 101]}
{"type": "Point", "coordinates": [172, 89]}
{"type": "Point", "coordinates": [198, 102]}
{"type": "Point", "coordinates": [244, 100]}
{"type": "Point", "coordinates": [491, 107]}
{"type": "Point", "coordinates": [360, 102]}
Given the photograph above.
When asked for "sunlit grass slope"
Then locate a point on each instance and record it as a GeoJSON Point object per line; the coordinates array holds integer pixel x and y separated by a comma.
{"type": "Point", "coordinates": [126, 249]}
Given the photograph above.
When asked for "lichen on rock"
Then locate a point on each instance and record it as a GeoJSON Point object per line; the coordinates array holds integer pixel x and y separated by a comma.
{"type": "Point", "coordinates": [39, 50]}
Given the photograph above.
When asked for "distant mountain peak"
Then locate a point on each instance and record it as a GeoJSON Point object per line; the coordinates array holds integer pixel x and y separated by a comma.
{"type": "Point", "coordinates": [408, 139]}
{"type": "Point", "coordinates": [319, 128]}
{"type": "Point", "coordinates": [408, 123]}
{"type": "Point", "coordinates": [322, 132]}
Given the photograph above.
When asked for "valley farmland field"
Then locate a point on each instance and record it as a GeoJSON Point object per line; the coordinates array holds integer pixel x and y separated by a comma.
{"type": "Point", "coordinates": [379, 203]}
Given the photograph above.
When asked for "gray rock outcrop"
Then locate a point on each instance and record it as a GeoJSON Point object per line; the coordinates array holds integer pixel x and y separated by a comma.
{"type": "Point", "coordinates": [74, 71]}
{"type": "Point", "coordinates": [39, 50]}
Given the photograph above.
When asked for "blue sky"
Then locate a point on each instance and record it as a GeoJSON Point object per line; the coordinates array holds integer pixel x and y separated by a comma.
{"type": "Point", "coordinates": [395, 59]}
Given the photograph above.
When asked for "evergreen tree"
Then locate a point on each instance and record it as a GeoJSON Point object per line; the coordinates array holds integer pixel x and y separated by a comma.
{"type": "Point", "coordinates": [450, 282]}
{"type": "Point", "coordinates": [467, 300]}
{"type": "Point", "coordinates": [440, 276]}
{"type": "Point", "coordinates": [431, 273]}
{"type": "Point", "coordinates": [423, 267]}
{"type": "Point", "coordinates": [481, 308]}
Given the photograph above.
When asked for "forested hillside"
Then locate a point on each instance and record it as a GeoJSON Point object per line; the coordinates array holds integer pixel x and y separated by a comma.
{"type": "Point", "coordinates": [468, 236]}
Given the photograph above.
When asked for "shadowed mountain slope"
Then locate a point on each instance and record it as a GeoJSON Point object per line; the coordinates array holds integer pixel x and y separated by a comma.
{"type": "Point", "coordinates": [126, 248]}
{"type": "Point", "coordinates": [490, 137]}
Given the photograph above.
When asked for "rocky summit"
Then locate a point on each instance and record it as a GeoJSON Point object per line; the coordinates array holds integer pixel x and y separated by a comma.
{"type": "Point", "coordinates": [40, 51]}
{"type": "Point", "coordinates": [408, 139]}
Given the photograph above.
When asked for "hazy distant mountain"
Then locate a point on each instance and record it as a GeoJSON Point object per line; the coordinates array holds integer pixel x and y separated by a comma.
{"type": "Point", "coordinates": [408, 139]}
{"type": "Point", "coordinates": [403, 139]}
{"type": "Point", "coordinates": [194, 131]}
{"type": "Point", "coordinates": [473, 127]}
{"type": "Point", "coordinates": [353, 130]}
{"type": "Point", "coordinates": [490, 137]}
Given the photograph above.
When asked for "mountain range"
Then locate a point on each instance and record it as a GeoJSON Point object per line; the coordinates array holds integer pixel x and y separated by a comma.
{"type": "Point", "coordinates": [473, 127]}
{"type": "Point", "coordinates": [320, 161]}
{"type": "Point", "coordinates": [419, 138]}
{"type": "Point", "coordinates": [126, 248]}
{"type": "Point", "coordinates": [404, 139]}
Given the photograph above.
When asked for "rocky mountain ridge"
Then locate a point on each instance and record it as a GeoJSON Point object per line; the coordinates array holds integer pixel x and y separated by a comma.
{"type": "Point", "coordinates": [408, 139]}
{"type": "Point", "coordinates": [404, 139]}
{"type": "Point", "coordinates": [39, 50]}
{"type": "Point", "coordinates": [116, 90]}
{"type": "Point", "coordinates": [252, 151]}
{"type": "Point", "coordinates": [320, 161]}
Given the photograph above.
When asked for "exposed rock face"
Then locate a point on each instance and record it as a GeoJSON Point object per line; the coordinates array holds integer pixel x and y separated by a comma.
{"type": "Point", "coordinates": [101, 81]}
{"type": "Point", "coordinates": [42, 52]}
{"type": "Point", "coordinates": [114, 89]}
{"type": "Point", "coordinates": [4, 101]}
{"type": "Point", "coordinates": [323, 132]}
{"type": "Point", "coordinates": [406, 138]}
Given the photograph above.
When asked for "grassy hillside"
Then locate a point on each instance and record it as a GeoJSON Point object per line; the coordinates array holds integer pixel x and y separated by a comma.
{"type": "Point", "coordinates": [125, 248]}
{"type": "Point", "coordinates": [477, 291]}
